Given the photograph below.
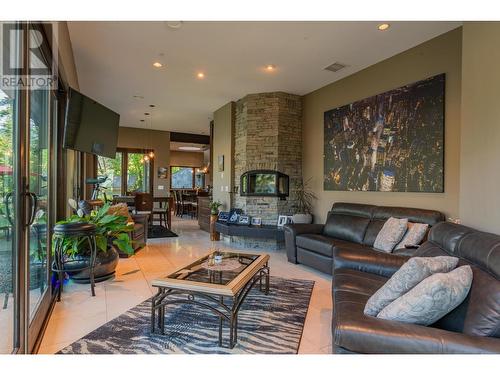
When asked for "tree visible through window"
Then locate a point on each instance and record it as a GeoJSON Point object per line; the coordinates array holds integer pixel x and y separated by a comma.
{"type": "Point", "coordinates": [128, 172]}
{"type": "Point", "coordinates": [182, 177]}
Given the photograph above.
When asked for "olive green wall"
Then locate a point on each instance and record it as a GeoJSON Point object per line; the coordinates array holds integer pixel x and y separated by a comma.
{"type": "Point", "coordinates": [223, 145]}
{"type": "Point", "coordinates": [439, 55]}
{"type": "Point", "coordinates": [159, 141]}
{"type": "Point", "coordinates": [480, 146]}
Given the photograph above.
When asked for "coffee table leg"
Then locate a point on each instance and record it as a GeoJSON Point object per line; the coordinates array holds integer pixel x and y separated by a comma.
{"type": "Point", "coordinates": [221, 321]}
{"type": "Point", "coordinates": [267, 280]}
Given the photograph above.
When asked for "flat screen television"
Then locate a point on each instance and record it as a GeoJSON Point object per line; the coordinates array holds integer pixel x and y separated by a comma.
{"type": "Point", "coordinates": [90, 126]}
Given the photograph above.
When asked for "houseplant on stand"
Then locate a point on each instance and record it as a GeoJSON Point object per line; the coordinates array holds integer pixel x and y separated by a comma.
{"type": "Point", "coordinates": [304, 198]}
{"type": "Point", "coordinates": [111, 233]}
{"type": "Point", "coordinates": [214, 214]}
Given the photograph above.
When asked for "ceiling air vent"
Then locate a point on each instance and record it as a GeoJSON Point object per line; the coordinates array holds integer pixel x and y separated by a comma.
{"type": "Point", "coordinates": [335, 67]}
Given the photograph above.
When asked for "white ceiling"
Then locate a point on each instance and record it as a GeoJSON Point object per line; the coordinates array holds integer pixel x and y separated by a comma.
{"type": "Point", "coordinates": [114, 62]}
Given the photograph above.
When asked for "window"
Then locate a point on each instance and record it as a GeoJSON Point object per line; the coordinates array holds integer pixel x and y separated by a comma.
{"type": "Point", "coordinates": [186, 178]}
{"type": "Point", "coordinates": [182, 177]}
{"type": "Point", "coordinates": [113, 169]}
{"type": "Point", "coordinates": [127, 172]}
{"type": "Point", "coordinates": [138, 173]}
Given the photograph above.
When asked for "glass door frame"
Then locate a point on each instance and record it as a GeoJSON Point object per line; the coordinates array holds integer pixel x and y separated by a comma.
{"type": "Point", "coordinates": [25, 333]}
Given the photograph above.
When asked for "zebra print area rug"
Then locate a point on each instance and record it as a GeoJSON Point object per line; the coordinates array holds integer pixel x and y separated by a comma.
{"type": "Point", "coordinates": [269, 324]}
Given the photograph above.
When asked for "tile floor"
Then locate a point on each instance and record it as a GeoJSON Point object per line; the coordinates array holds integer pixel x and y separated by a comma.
{"type": "Point", "coordinates": [78, 313]}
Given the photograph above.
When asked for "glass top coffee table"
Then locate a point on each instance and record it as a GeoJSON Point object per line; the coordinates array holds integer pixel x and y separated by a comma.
{"type": "Point", "coordinates": [219, 287]}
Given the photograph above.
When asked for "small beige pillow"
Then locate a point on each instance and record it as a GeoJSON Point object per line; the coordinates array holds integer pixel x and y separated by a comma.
{"type": "Point", "coordinates": [122, 210]}
{"type": "Point", "coordinates": [414, 235]}
{"type": "Point", "coordinates": [391, 233]}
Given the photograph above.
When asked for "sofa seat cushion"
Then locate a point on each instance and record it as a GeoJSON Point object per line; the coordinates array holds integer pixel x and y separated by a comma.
{"type": "Point", "coordinates": [316, 243]}
{"type": "Point", "coordinates": [353, 281]}
{"type": "Point", "coordinates": [366, 259]}
{"type": "Point", "coordinates": [356, 332]}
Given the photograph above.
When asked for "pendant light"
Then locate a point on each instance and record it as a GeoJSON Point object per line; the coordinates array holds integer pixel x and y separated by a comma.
{"type": "Point", "coordinates": [151, 153]}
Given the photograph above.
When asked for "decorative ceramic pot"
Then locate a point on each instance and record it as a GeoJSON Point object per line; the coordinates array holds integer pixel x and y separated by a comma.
{"type": "Point", "coordinates": [106, 263]}
{"type": "Point", "coordinates": [214, 235]}
{"type": "Point", "coordinates": [302, 219]}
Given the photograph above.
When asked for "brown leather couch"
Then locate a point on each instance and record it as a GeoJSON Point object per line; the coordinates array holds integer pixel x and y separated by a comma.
{"type": "Point", "coordinates": [473, 327]}
{"type": "Point", "coordinates": [349, 227]}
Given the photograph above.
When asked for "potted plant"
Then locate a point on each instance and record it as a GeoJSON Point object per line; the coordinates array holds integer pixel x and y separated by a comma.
{"type": "Point", "coordinates": [304, 197]}
{"type": "Point", "coordinates": [111, 231]}
{"type": "Point", "coordinates": [214, 214]}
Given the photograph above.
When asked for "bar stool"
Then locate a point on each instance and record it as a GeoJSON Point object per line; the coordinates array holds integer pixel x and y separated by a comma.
{"type": "Point", "coordinates": [72, 230]}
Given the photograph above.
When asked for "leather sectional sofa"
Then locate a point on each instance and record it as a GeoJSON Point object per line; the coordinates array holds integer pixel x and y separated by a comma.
{"type": "Point", "coordinates": [473, 327]}
{"type": "Point", "coordinates": [358, 271]}
{"type": "Point", "coordinates": [349, 227]}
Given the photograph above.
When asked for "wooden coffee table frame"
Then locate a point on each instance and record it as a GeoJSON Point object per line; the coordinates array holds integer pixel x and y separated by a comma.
{"type": "Point", "coordinates": [213, 297]}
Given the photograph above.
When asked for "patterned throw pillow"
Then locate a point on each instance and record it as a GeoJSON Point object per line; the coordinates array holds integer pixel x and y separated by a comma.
{"type": "Point", "coordinates": [432, 299]}
{"type": "Point", "coordinates": [390, 234]}
{"type": "Point", "coordinates": [407, 277]}
{"type": "Point", "coordinates": [122, 210]}
{"type": "Point", "coordinates": [414, 235]}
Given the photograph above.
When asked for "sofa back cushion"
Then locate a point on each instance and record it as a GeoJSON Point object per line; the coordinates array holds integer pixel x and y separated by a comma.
{"type": "Point", "coordinates": [415, 215]}
{"type": "Point", "coordinates": [479, 314]}
{"type": "Point", "coordinates": [348, 221]}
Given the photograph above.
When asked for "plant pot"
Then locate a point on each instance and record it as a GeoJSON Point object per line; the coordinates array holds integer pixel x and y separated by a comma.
{"type": "Point", "coordinates": [302, 219]}
{"type": "Point", "coordinates": [104, 269]}
{"type": "Point", "coordinates": [214, 235]}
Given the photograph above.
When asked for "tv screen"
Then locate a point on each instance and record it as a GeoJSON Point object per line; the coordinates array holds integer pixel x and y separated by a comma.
{"type": "Point", "coordinates": [90, 126]}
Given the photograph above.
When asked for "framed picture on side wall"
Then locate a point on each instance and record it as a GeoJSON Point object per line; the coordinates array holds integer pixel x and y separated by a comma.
{"type": "Point", "coordinates": [162, 172]}
{"type": "Point", "coordinates": [220, 163]}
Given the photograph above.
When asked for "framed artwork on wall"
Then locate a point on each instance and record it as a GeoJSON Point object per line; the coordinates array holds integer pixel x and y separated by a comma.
{"type": "Point", "coordinates": [220, 163]}
{"type": "Point", "coordinates": [162, 172]}
{"type": "Point", "coordinates": [391, 142]}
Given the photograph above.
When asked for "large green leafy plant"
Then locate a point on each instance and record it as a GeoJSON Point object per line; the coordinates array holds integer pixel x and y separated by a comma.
{"type": "Point", "coordinates": [110, 229]}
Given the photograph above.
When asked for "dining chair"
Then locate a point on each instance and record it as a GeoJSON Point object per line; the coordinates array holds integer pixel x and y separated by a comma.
{"type": "Point", "coordinates": [144, 204]}
{"type": "Point", "coordinates": [162, 211]}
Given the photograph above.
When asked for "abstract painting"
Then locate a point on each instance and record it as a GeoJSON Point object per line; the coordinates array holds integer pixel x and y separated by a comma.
{"type": "Point", "coordinates": [392, 141]}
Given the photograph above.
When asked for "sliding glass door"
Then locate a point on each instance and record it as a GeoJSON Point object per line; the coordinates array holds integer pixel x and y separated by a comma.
{"type": "Point", "coordinates": [27, 118]}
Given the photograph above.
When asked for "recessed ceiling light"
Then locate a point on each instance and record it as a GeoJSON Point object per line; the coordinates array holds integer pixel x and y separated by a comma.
{"type": "Point", "coordinates": [152, 106]}
{"type": "Point", "coordinates": [189, 148]}
{"type": "Point", "coordinates": [146, 113]}
{"type": "Point", "coordinates": [200, 75]}
{"type": "Point", "coordinates": [157, 64]}
{"type": "Point", "coordinates": [142, 120]}
{"type": "Point", "coordinates": [138, 97]}
{"type": "Point", "coordinates": [383, 26]}
{"type": "Point", "coordinates": [270, 67]}
{"type": "Point", "coordinates": [174, 25]}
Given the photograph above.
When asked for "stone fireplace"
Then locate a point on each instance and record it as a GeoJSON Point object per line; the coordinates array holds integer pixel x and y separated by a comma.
{"type": "Point", "coordinates": [268, 136]}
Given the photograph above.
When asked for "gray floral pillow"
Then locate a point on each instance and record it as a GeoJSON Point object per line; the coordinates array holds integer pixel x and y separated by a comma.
{"type": "Point", "coordinates": [408, 276]}
{"type": "Point", "coordinates": [431, 299]}
{"type": "Point", "coordinates": [414, 235]}
{"type": "Point", "coordinates": [390, 234]}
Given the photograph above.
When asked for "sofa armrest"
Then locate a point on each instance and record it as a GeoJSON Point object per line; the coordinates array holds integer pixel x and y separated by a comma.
{"type": "Point", "coordinates": [364, 334]}
{"type": "Point", "coordinates": [293, 230]}
{"type": "Point", "coordinates": [144, 220]}
{"type": "Point", "coordinates": [367, 260]}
